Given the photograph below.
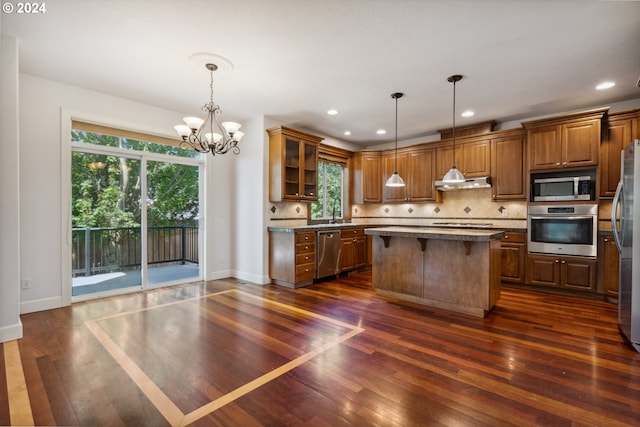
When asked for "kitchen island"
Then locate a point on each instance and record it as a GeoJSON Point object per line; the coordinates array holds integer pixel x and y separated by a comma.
{"type": "Point", "coordinates": [453, 269]}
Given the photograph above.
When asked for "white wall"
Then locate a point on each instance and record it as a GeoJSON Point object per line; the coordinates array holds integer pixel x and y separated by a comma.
{"type": "Point", "coordinates": [235, 235]}
{"type": "Point", "coordinates": [10, 325]}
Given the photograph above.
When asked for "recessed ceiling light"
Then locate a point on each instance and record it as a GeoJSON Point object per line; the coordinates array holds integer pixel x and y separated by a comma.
{"type": "Point", "coordinates": [381, 131]}
{"type": "Point", "coordinates": [347, 132]}
{"type": "Point", "coordinates": [332, 112]}
{"type": "Point", "coordinates": [468, 113]}
{"type": "Point", "coordinates": [605, 85]}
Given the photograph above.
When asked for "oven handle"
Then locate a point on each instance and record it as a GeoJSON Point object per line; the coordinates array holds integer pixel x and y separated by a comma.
{"type": "Point", "coordinates": [617, 201]}
{"type": "Point", "coordinates": [550, 216]}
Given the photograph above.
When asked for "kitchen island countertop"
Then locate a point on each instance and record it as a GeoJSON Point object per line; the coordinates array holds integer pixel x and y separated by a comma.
{"type": "Point", "coordinates": [464, 234]}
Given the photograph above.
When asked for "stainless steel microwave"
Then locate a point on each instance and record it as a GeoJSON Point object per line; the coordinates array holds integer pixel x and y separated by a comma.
{"type": "Point", "coordinates": [564, 188]}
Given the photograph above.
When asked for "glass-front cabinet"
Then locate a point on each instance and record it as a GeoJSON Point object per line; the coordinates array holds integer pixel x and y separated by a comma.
{"type": "Point", "coordinates": [293, 165]}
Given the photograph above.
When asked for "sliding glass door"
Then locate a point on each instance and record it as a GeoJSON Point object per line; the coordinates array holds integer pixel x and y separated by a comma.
{"type": "Point", "coordinates": [106, 223]}
{"type": "Point", "coordinates": [135, 215]}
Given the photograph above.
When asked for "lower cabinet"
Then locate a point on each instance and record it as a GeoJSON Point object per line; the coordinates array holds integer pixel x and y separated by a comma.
{"type": "Point", "coordinates": [513, 257]}
{"type": "Point", "coordinates": [569, 273]}
{"type": "Point", "coordinates": [292, 258]}
{"type": "Point", "coordinates": [353, 249]}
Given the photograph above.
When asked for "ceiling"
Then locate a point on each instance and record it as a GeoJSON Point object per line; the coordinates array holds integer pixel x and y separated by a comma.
{"type": "Point", "coordinates": [295, 59]}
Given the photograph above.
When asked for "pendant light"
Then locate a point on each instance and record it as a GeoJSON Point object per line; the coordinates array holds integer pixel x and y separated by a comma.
{"type": "Point", "coordinates": [454, 175]}
{"type": "Point", "coordinates": [395, 180]}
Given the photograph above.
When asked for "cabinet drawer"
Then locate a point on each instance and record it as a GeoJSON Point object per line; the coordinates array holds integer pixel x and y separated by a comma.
{"type": "Point", "coordinates": [306, 237]}
{"type": "Point", "coordinates": [305, 258]}
{"type": "Point", "coordinates": [354, 232]}
{"type": "Point", "coordinates": [305, 272]}
{"type": "Point", "coordinates": [514, 237]}
{"type": "Point", "coordinates": [305, 248]}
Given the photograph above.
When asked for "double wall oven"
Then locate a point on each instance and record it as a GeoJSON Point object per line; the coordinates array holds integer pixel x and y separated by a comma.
{"type": "Point", "coordinates": [563, 229]}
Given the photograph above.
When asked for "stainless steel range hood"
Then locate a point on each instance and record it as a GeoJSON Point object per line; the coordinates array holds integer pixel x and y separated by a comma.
{"type": "Point", "coordinates": [467, 184]}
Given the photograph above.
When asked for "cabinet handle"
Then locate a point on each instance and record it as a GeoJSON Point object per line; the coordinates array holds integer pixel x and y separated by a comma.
{"type": "Point", "coordinates": [606, 240]}
{"type": "Point", "coordinates": [306, 258]}
{"type": "Point", "coordinates": [354, 240]}
{"type": "Point", "coordinates": [557, 260]}
{"type": "Point", "coordinates": [506, 237]}
{"type": "Point", "coordinates": [306, 270]}
{"type": "Point", "coordinates": [563, 262]}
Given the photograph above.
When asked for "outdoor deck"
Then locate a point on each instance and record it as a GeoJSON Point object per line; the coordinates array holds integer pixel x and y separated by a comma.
{"type": "Point", "coordinates": [120, 280]}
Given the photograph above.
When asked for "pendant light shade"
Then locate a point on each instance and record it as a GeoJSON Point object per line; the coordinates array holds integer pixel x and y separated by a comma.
{"type": "Point", "coordinates": [395, 180]}
{"type": "Point", "coordinates": [454, 175]}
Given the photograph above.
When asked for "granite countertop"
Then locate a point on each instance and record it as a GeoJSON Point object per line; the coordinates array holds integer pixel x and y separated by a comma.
{"type": "Point", "coordinates": [443, 225]}
{"type": "Point", "coordinates": [474, 235]}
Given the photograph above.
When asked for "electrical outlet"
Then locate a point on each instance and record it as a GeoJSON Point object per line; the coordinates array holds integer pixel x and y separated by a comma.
{"type": "Point", "coordinates": [26, 283]}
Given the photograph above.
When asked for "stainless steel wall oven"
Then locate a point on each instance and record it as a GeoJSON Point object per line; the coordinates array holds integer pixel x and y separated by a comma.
{"type": "Point", "coordinates": [563, 229]}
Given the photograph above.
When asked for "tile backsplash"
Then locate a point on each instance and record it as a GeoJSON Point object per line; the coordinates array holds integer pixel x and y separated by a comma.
{"type": "Point", "coordinates": [464, 205]}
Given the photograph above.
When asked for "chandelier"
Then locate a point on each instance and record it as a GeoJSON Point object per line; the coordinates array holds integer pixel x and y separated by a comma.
{"type": "Point", "coordinates": [209, 135]}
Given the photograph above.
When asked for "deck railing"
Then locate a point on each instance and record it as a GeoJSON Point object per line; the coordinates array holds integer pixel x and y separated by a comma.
{"type": "Point", "coordinates": [103, 250]}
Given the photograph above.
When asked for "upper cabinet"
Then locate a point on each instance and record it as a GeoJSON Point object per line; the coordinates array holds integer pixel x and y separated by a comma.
{"type": "Point", "coordinates": [367, 177]}
{"type": "Point", "coordinates": [566, 141]}
{"type": "Point", "coordinates": [508, 167]}
{"type": "Point", "coordinates": [293, 165]}
{"type": "Point", "coordinates": [473, 159]}
{"type": "Point", "coordinates": [417, 167]}
{"type": "Point", "coordinates": [621, 129]}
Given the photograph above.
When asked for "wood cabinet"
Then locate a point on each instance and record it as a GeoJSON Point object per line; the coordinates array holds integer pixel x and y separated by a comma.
{"type": "Point", "coordinates": [473, 159]}
{"type": "Point", "coordinates": [417, 167]}
{"type": "Point", "coordinates": [513, 257]}
{"type": "Point", "coordinates": [292, 258]}
{"type": "Point", "coordinates": [390, 164]}
{"type": "Point", "coordinates": [353, 249]}
{"type": "Point", "coordinates": [566, 141]}
{"type": "Point", "coordinates": [569, 273]}
{"type": "Point", "coordinates": [622, 128]}
{"type": "Point", "coordinates": [609, 267]}
{"type": "Point", "coordinates": [367, 177]}
{"type": "Point", "coordinates": [293, 165]}
{"type": "Point", "coordinates": [508, 168]}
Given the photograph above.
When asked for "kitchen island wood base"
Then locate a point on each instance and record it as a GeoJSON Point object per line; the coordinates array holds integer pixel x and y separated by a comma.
{"type": "Point", "coordinates": [456, 270]}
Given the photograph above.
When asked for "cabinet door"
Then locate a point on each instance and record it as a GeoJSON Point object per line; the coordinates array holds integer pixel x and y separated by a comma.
{"type": "Point", "coordinates": [372, 178]}
{"type": "Point", "coordinates": [309, 174]}
{"type": "Point", "coordinates": [618, 134]}
{"type": "Point", "coordinates": [394, 194]}
{"type": "Point", "coordinates": [347, 254]}
{"type": "Point", "coordinates": [513, 257]}
{"type": "Point", "coordinates": [580, 143]}
{"type": "Point", "coordinates": [545, 148]}
{"type": "Point", "coordinates": [578, 274]}
{"type": "Point", "coordinates": [543, 270]}
{"type": "Point", "coordinates": [476, 159]}
{"type": "Point", "coordinates": [361, 251]}
{"type": "Point", "coordinates": [292, 155]}
{"type": "Point", "coordinates": [508, 169]}
{"type": "Point", "coordinates": [444, 160]}
{"type": "Point", "coordinates": [421, 172]}
{"type": "Point", "coordinates": [610, 266]}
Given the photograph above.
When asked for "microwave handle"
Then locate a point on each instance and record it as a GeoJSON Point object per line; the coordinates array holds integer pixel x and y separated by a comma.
{"type": "Point", "coordinates": [614, 222]}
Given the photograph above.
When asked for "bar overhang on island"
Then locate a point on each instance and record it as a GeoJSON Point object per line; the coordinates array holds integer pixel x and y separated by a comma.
{"type": "Point", "coordinates": [452, 269]}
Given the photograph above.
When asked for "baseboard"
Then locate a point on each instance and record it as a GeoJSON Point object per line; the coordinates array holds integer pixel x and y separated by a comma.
{"type": "Point", "coordinates": [11, 332]}
{"type": "Point", "coordinates": [40, 304]}
{"type": "Point", "coordinates": [253, 278]}
{"type": "Point", "coordinates": [216, 275]}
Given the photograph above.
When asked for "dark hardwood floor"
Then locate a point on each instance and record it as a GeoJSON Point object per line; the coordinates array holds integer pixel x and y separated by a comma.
{"type": "Point", "coordinates": [227, 353]}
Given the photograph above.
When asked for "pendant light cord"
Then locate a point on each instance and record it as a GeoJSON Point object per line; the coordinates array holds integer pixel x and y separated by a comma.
{"type": "Point", "coordinates": [396, 160]}
{"type": "Point", "coordinates": [454, 122]}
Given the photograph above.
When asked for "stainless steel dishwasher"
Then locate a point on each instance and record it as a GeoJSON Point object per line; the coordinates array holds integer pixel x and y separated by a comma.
{"type": "Point", "coordinates": [327, 253]}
